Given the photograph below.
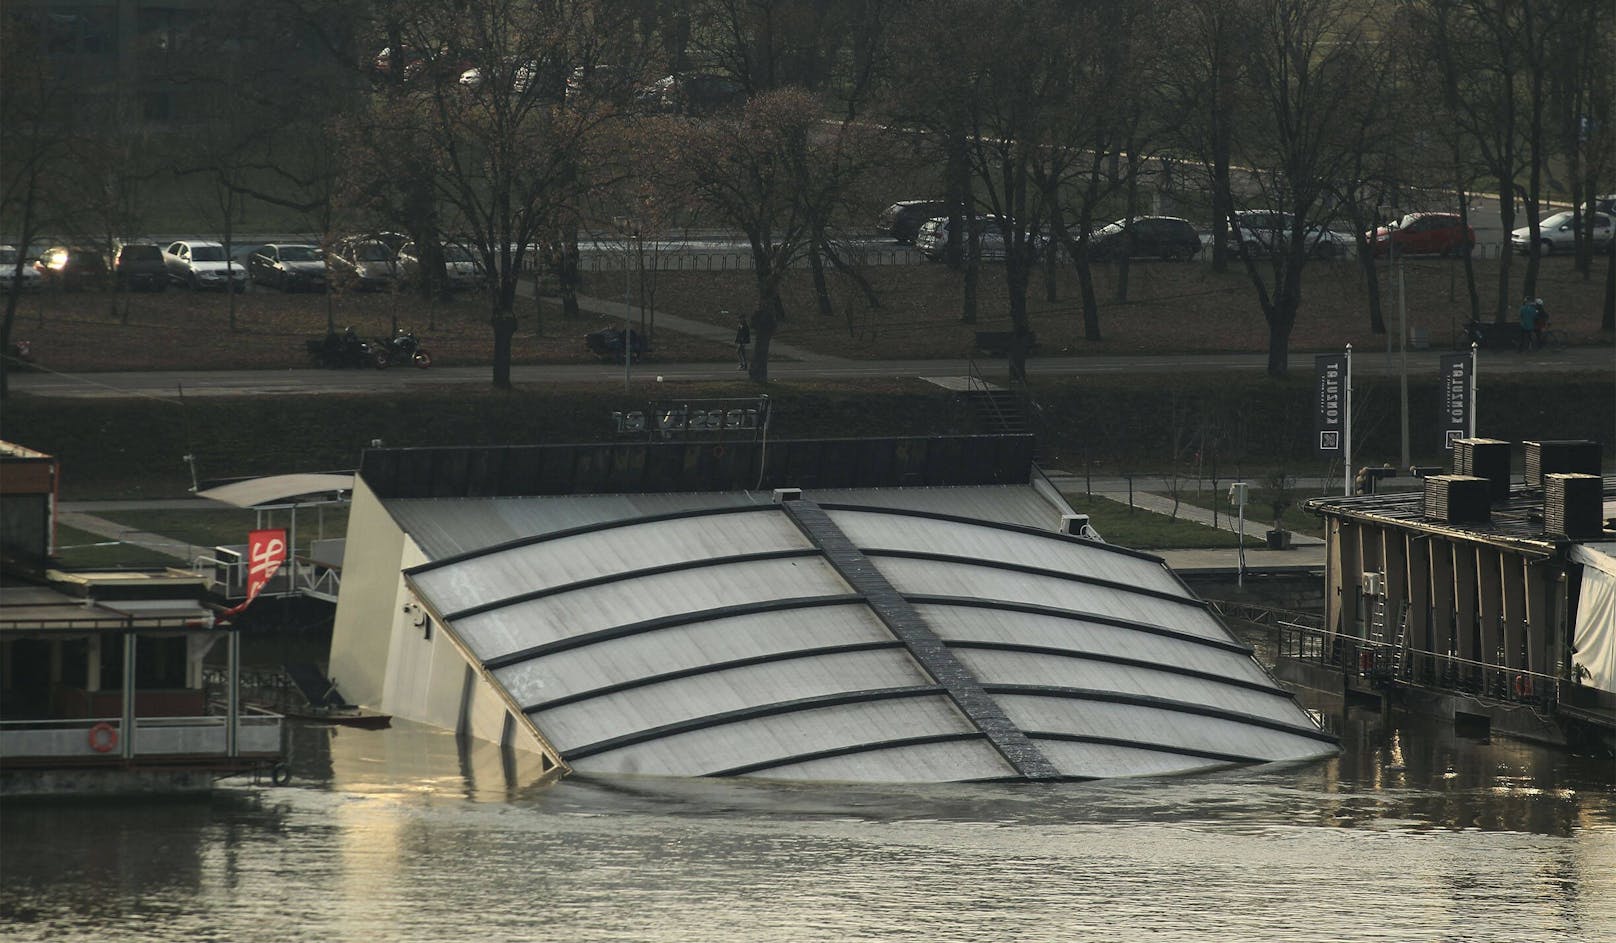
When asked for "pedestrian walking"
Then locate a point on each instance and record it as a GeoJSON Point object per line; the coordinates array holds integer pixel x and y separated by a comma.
{"type": "Point", "coordinates": [1528, 316]}
{"type": "Point", "coordinates": [743, 337]}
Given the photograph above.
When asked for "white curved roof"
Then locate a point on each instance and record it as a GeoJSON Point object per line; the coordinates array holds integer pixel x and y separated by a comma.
{"type": "Point", "coordinates": [847, 642]}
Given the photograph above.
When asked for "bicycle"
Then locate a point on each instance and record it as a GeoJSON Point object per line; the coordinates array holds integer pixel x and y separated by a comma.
{"type": "Point", "coordinates": [1552, 340]}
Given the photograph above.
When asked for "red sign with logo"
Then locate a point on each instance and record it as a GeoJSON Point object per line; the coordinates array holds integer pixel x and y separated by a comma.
{"type": "Point", "coordinates": [266, 551]}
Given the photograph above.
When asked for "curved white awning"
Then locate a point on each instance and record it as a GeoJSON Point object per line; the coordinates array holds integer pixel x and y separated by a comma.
{"type": "Point", "coordinates": [275, 490]}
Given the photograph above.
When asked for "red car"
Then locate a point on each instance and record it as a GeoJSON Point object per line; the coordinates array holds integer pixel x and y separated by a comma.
{"type": "Point", "coordinates": [1425, 234]}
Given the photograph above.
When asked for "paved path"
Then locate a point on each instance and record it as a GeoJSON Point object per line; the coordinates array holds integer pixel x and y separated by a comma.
{"type": "Point", "coordinates": [122, 533]}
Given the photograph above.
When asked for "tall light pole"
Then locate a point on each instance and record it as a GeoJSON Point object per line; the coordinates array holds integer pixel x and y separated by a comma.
{"type": "Point", "coordinates": [1402, 346]}
{"type": "Point", "coordinates": [631, 230]}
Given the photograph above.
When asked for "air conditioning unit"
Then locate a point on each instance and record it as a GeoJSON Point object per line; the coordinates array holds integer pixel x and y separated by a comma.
{"type": "Point", "coordinates": [1374, 584]}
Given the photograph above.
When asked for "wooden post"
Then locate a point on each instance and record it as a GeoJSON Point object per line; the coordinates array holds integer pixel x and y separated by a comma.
{"type": "Point", "coordinates": [1464, 602]}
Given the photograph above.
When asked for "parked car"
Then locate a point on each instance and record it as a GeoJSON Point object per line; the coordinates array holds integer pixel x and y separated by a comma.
{"type": "Point", "coordinates": [139, 266]}
{"type": "Point", "coordinates": [936, 235]}
{"type": "Point", "coordinates": [461, 267]}
{"type": "Point", "coordinates": [289, 267]}
{"type": "Point", "coordinates": [72, 268]}
{"type": "Point", "coordinates": [691, 93]}
{"type": "Point", "coordinates": [197, 264]}
{"type": "Point", "coordinates": [413, 65]}
{"type": "Point", "coordinates": [903, 219]}
{"type": "Point", "coordinates": [1154, 237]}
{"type": "Point", "coordinates": [27, 279]}
{"type": "Point", "coordinates": [1555, 234]}
{"type": "Point", "coordinates": [518, 75]}
{"type": "Point", "coordinates": [363, 263]}
{"type": "Point", "coordinates": [1263, 232]}
{"type": "Point", "coordinates": [1424, 234]}
{"type": "Point", "coordinates": [1606, 203]}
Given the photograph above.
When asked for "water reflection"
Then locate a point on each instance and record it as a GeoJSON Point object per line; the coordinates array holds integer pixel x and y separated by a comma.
{"type": "Point", "coordinates": [408, 834]}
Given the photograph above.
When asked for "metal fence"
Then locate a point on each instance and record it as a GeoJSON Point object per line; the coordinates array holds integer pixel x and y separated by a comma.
{"type": "Point", "coordinates": [259, 732]}
{"type": "Point", "coordinates": [1387, 663]}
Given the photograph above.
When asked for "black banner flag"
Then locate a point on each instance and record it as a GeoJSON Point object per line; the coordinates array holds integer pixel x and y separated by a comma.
{"type": "Point", "coordinates": [1329, 423]}
{"type": "Point", "coordinates": [1455, 380]}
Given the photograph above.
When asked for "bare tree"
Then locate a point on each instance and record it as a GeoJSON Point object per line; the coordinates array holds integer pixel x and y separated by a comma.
{"type": "Point", "coordinates": [33, 101]}
{"type": "Point", "coordinates": [502, 108]}
{"type": "Point", "coordinates": [1301, 133]}
{"type": "Point", "coordinates": [771, 170]}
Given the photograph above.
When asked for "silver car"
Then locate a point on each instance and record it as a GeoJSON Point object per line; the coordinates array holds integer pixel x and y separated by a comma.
{"type": "Point", "coordinates": [200, 263]}
{"type": "Point", "coordinates": [1555, 234]}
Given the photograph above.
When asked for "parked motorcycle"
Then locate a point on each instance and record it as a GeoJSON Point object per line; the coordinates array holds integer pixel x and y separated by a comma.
{"type": "Point", "coordinates": [347, 349]}
{"type": "Point", "coordinates": [403, 347]}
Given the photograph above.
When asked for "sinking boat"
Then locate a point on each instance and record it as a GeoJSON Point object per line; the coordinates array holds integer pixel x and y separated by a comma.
{"type": "Point", "coordinates": [893, 610]}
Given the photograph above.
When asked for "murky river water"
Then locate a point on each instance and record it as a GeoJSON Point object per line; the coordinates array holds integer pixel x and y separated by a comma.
{"type": "Point", "coordinates": [399, 835]}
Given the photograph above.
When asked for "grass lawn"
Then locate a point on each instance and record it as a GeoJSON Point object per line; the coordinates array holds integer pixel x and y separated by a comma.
{"type": "Point", "coordinates": [1171, 307]}
{"type": "Point", "coordinates": [1143, 530]}
{"type": "Point", "coordinates": [212, 527]}
{"type": "Point", "coordinates": [77, 549]}
{"type": "Point", "coordinates": [1259, 512]}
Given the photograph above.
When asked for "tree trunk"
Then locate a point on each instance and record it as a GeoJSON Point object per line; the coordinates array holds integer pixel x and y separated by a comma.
{"type": "Point", "coordinates": [1607, 320]}
{"type": "Point", "coordinates": [505, 328]}
{"type": "Point", "coordinates": [816, 265]}
{"type": "Point", "coordinates": [567, 275]}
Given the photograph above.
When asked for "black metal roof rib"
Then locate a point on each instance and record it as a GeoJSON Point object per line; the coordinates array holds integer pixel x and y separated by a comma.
{"type": "Point", "coordinates": [998, 525]}
{"type": "Point", "coordinates": [1076, 615]}
{"type": "Point", "coordinates": [923, 644]}
{"type": "Point", "coordinates": [707, 721]}
{"type": "Point", "coordinates": [610, 578]}
{"type": "Point", "coordinates": [1180, 670]}
{"type": "Point", "coordinates": [1162, 703]}
{"type": "Point", "coordinates": [586, 639]}
{"type": "Point", "coordinates": [851, 750]}
{"type": "Point", "coordinates": [596, 527]}
{"type": "Point", "coordinates": [693, 671]}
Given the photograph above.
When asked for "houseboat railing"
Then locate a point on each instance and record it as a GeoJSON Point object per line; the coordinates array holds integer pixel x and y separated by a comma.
{"type": "Point", "coordinates": [259, 732]}
{"type": "Point", "coordinates": [1385, 663]}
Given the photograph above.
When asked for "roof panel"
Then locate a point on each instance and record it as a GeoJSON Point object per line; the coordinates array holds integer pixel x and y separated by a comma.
{"type": "Point", "coordinates": [572, 613]}
{"type": "Point", "coordinates": [1009, 626]}
{"type": "Point", "coordinates": [680, 647]}
{"type": "Point", "coordinates": [1043, 670]}
{"type": "Point", "coordinates": [1104, 760]}
{"type": "Point", "coordinates": [783, 737]}
{"type": "Point", "coordinates": [914, 763]}
{"type": "Point", "coordinates": [964, 579]}
{"type": "Point", "coordinates": [640, 709]}
{"type": "Point", "coordinates": [613, 550]}
{"type": "Point", "coordinates": [1148, 726]}
{"type": "Point", "coordinates": [874, 530]}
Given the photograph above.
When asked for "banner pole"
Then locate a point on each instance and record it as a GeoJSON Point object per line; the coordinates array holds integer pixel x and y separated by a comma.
{"type": "Point", "coordinates": [1475, 364]}
{"type": "Point", "coordinates": [1346, 471]}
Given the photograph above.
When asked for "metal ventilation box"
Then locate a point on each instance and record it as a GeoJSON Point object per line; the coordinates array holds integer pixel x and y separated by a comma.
{"type": "Point", "coordinates": [1484, 458]}
{"type": "Point", "coordinates": [1567, 456]}
{"type": "Point", "coordinates": [1458, 499]}
{"type": "Point", "coordinates": [1573, 505]}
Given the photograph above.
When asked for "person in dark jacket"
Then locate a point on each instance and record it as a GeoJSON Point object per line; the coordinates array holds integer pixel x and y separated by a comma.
{"type": "Point", "coordinates": [743, 337]}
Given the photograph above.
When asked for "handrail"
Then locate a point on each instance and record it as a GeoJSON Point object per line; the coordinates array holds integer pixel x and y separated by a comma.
{"type": "Point", "coordinates": [1400, 662]}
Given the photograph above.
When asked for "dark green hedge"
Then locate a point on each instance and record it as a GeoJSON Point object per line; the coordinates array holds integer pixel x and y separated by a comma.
{"type": "Point", "coordinates": [119, 447]}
